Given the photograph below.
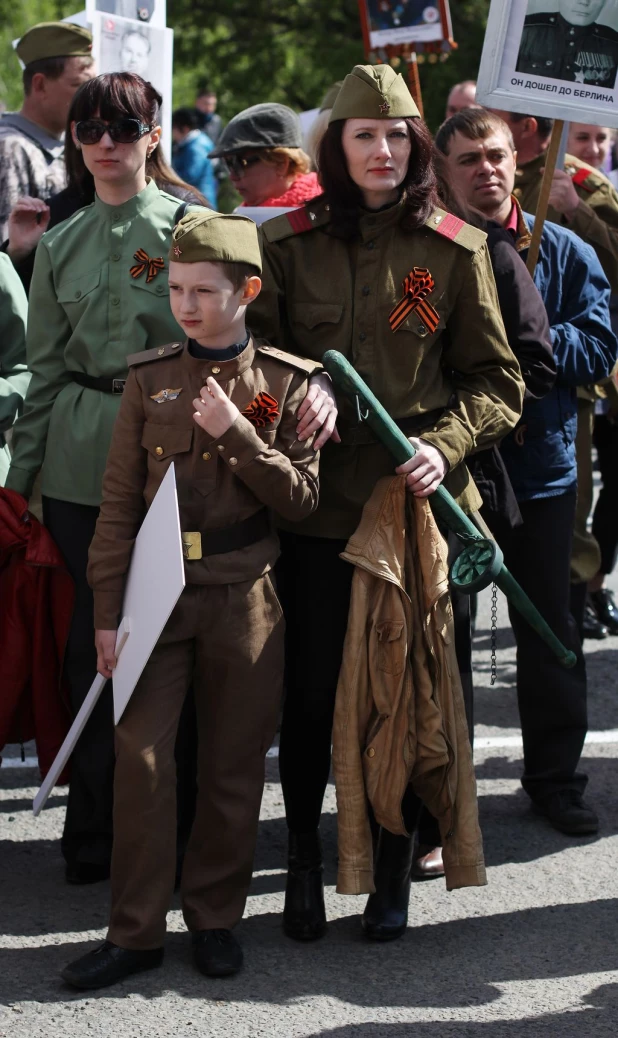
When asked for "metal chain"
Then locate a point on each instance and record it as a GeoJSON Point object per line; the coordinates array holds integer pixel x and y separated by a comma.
{"type": "Point", "coordinates": [494, 628]}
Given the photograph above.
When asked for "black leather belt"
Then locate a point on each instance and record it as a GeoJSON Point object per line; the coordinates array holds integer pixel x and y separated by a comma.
{"type": "Point", "coordinates": [103, 385]}
{"type": "Point", "coordinates": [362, 433]}
{"type": "Point", "coordinates": [197, 545]}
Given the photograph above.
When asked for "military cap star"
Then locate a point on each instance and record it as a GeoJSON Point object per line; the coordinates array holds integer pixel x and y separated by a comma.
{"type": "Point", "coordinates": [177, 251]}
{"type": "Point", "coordinates": [385, 107]}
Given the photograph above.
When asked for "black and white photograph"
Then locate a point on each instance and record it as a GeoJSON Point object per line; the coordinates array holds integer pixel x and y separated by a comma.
{"type": "Point", "coordinates": [149, 11]}
{"type": "Point", "coordinates": [555, 58]}
{"type": "Point", "coordinates": [572, 42]}
{"type": "Point", "coordinates": [123, 45]}
{"type": "Point", "coordinates": [406, 21]}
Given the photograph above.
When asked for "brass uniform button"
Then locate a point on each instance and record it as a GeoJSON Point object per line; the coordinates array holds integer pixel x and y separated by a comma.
{"type": "Point", "coordinates": [215, 370]}
{"type": "Point", "coordinates": [159, 451]}
{"type": "Point", "coordinates": [233, 461]}
{"type": "Point", "coordinates": [371, 752]}
{"type": "Point", "coordinates": [220, 447]}
{"type": "Point", "coordinates": [206, 456]}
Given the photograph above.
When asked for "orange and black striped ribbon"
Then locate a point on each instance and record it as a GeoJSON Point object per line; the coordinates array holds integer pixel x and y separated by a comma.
{"type": "Point", "coordinates": [416, 286]}
{"type": "Point", "coordinates": [144, 262]}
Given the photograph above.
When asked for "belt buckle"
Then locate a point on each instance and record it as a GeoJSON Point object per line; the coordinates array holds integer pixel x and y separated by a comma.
{"type": "Point", "coordinates": [191, 545]}
{"type": "Point", "coordinates": [118, 385]}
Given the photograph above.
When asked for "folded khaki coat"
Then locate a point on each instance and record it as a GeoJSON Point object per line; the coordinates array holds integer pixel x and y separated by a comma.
{"type": "Point", "coordinates": [399, 715]}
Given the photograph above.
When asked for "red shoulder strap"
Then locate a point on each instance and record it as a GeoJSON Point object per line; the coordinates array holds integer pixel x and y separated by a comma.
{"type": "Point", "coordinates": [299, 220]}
{"type": "Point", "coordinates": [581, 177]}
{"type": "Point", "coordinates": [450, 226]}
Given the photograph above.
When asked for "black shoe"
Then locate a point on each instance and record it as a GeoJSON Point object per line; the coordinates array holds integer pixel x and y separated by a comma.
{"type": "Point", "coordinates": [605, 609]}
{"type": "Point", "coordinates": [568, 812]}
{"type": "Point", "coordinates": [107, 964]}
{"type": "Point", "coordinates": [592, 627]}
{"type": "Point", "coordinates": [82, 872]}
{"type": "Point", "coordinates": [304, 914]}
{"type": "Point", "coordinates": [216, 953]}
{"type": "Point", "coordinates": [386, 913]}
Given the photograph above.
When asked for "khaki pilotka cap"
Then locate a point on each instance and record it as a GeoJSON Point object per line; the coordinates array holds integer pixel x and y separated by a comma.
{"type": "Point", "coordinates": [374, 92]}
{"type": "Point", "coordinates": [54, 40]}
{"type": "Point", "coordinates": [207, 237]}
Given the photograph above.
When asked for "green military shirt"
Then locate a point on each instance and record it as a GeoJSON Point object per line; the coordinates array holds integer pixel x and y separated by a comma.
{"type": "Point", "coordinates": [596, 217]}
{"type": "Point", "coordinates": [321, 293]}
{"type": "Point", "coordinates": [93, 301]}
{"type": "Point", "coordinates": [14, 376]}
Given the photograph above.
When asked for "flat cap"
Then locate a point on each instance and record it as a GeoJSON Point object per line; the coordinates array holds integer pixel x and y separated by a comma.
{"type": "Point", "coordinates": [373, 92]}
{"type": "Point", "coordinates": [261, 126]}
{"type": "Point", "coordinates": [203, 236]}
{"type": "Point", "coordinates": [54, 40]}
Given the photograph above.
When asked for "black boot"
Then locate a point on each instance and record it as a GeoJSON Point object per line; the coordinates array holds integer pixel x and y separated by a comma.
{"type": "Point", "coordinates": [108, 964]}
{"type": "Point", "coordinates": [386, 912]}
{"type": "Point", "coordinates": [304, 915]}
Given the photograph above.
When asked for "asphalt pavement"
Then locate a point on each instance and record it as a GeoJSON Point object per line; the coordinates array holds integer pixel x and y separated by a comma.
{"type": "Point", "coordinates": [533, 953]}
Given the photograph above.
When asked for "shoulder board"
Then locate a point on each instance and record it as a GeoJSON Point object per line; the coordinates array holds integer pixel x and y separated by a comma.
{"type": "Point", "coordinates": [309, 367]}
{"type": "Point", "coordinates": [585, 177]}
{"type": "Point", "coordinates": [145, 356]}
{"type": "Point", "coordinates": [297, 221]}
{"type": "Point", "coordinates": [456, 230]}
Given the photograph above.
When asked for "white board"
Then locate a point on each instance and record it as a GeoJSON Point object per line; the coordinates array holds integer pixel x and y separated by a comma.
{"type": "Point", "coordinates": [155, 583]}
{"type": "Point", "coordinates": [150, 11]}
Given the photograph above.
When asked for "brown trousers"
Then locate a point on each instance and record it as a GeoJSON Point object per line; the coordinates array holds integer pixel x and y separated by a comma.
{"type": "Point", "coordinates": [228, 640]}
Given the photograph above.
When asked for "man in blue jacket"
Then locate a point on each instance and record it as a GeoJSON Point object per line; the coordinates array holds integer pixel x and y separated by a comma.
{"type": "Point", "coordinates": [190, 154]}
{"type": "Point", "coordinates": [540, 459]}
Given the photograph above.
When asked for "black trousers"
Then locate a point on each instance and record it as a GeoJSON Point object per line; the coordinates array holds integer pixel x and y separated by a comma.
{"type": "Point", "coordinates": [314, 586]}
{"type": "Point", "coordinates": [88, 831]}
{"type": "Point", "coordinates": [605, 516]}
{"type": "Point", "coordinates": [87, 835]}
{"type": "Point", "coordinates": [552, 700]}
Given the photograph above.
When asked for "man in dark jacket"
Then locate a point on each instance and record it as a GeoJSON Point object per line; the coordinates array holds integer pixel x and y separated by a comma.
{"type": "Point", "coordinates": [540, 459]}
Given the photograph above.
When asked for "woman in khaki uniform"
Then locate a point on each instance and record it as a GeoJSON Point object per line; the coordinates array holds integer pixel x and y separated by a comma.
{"type": "Point", "coordinates": [99, 292]}
{"type": "Point", "coordinates": [377, 271]}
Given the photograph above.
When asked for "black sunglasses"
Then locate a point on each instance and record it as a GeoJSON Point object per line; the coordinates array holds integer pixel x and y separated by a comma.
{"type": "Point", "coordinates": [122, 131]}
{"type": "Point", "coordinates": [237, 165]}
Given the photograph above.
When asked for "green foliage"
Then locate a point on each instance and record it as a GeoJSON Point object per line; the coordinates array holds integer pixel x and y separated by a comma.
{"type": "Point", "coordinates": [262, 50]}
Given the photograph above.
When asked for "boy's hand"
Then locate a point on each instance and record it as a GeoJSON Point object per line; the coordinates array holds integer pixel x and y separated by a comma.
{"type": "Point", "coordinates": [105, 642]}
{"type": "Point", "coordinates": [214, 412]}
{"type": "Point", "coordinates": [425, 471]}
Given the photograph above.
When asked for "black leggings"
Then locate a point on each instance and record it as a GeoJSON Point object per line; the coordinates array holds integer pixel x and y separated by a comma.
{"type": "Point", "coordinates": [605, 517]}
{"type": "Point", "coordinates": [314, 586]}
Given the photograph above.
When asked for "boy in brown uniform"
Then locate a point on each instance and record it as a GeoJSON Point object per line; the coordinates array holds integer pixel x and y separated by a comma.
{"type": "Point", "coordinates": [222, 408]}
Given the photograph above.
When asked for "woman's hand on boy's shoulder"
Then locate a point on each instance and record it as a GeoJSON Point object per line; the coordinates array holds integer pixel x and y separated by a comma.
{"type": "Point", "coordinates": [318, 411]}
{"type": "Point", "coordinates": [214, 411]}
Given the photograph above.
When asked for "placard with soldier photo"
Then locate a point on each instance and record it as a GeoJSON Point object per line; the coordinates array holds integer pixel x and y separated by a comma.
{"type": "Point", "coordinates": [405, 21]}
{"type": "Point", "coordinates": [554, 58]}
{"type": "Point", "coordinates": [151, 11]}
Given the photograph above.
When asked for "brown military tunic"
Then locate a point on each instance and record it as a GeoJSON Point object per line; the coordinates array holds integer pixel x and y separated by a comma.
{"type": "Point", "coordinates": [225, 635]}
{"type": "Point", "coordinates": [596, 217]}
{"type": "Point", "coordinates": [451, 378]}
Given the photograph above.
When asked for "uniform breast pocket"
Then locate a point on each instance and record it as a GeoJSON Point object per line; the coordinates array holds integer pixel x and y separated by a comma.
{"type": "Point", "coordinates": [165, 443]}
{"type": "Point", "coordinates": [157, 288]}
{"type": "Point", "coordinates": [75, 294]}
{"type": "Point", "coordinates": [316, 326]}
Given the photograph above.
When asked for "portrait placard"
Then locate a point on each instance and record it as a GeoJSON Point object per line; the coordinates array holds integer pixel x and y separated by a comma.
{"type": "Point", "coordinates": [388, 22]}
{"type": "Point", "coordinates": [151, 11]}
{"type": "Point", "coordinates": [552, 58]}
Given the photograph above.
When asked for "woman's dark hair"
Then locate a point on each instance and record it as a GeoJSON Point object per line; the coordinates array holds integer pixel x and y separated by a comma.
{"type": "Point", "coordinates": [112, 96]}
{"type": "Point", "coordinates": [345, 198]}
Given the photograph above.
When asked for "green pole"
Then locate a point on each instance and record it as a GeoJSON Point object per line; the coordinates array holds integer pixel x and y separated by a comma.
{"type": "Point", "coordinates": [370, 410]}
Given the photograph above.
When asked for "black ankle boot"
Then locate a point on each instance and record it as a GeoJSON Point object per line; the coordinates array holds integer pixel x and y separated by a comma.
{"type": "Point", "coordinates": [304, 915]}
{"type": "Point", "coordinates": [386, 913]}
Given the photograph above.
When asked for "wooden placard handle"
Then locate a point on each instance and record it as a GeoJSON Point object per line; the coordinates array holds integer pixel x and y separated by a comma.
{"type": "Point", "coordinates": [543, 203]}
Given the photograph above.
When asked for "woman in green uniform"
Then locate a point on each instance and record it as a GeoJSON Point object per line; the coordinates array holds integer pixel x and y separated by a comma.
{"type": "Point", "coordinates": [374, 269]}
{"type": "Point", "coordinates": [99, 292]}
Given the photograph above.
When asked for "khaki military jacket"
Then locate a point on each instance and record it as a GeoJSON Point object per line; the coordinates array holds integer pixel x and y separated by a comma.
{"type": "Point", "coordinates": [91, 303]}
{"type": "Point", "coordinates": [399, 713]}
{"type": "Point", "coordinates": [257, 462]}
{"type": "Point", "coordinates": [451, 363]}
{"type": "Point", "coordinates": [596, 217]}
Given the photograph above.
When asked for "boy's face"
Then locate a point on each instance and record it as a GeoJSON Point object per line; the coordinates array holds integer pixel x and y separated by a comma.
{"type": "Point", "coordinates": [205, 303]}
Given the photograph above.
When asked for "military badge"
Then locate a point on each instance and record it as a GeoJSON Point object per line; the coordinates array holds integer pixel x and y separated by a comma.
{"type": "Point", "coordinates": [416, 286]}
{"type": "Point", "coordinates": [166, 394]}
{"type": "Point", "coordinates": [262, 411]}
{"type": "Point", "coordinates": [177, 251]}
{"type": "Point", "coordinates": [143, 14]}
{"type": "Point", "coordinates": [385, 107]}
{"type": "Point", "coordinates": [145, 263]}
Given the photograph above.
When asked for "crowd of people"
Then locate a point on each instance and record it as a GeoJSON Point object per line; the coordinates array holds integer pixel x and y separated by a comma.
{"type": "Point", "coordinates": [140, 326]}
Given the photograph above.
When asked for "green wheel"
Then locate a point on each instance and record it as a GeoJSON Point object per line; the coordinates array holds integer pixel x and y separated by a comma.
{"type": "Point", "coordinates": [477, 566]}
